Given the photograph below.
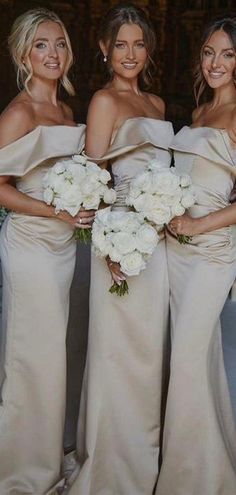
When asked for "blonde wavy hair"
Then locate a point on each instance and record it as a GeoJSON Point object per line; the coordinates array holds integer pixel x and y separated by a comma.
{"type": "Point", "coordinates": [20, 44]}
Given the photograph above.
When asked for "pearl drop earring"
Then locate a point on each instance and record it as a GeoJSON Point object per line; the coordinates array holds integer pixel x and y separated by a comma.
{"type": "Point", "coordinates": [105, 58]}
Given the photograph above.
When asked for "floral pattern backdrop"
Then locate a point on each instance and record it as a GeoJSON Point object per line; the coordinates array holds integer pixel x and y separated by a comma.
{"type": "Point", "coordinates": [178, 25]}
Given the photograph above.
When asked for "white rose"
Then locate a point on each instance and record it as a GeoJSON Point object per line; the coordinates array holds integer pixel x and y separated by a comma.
{"type": "Point", "coordinates": [185, 181]}
{"type": "Point", "coordinates": [109, 196]}
{"type": "Point", "coordinates": [58, 205]}
{"type": "Point", "coordinates": [100, 242]}
{"type": "Point", "coordinates": [79, 159]}
{"type": "Point", "coordinates": [68, 175]}
{"type": "Point", "coordinates": [59, 167]}
{"type": "Point", "coordinates": [104, 176]}
{"type": "Point", "coordinates": [171, 199]}
{"type": "Point", "coordinates": [156, 165]}
{"type": "Point", "coordinates": [78, 171]}
{"type": "Point", "coordinates": [143, 181]}
{"type": "Point", "coordinates": [116, 220]}
{"type": "Point", "coordinates": [160, 215]}
{"type": "Point", "coordinates": [177, 210]}
{"type": "Point", "coordinates": [124, 242]}
{"type": "Point", "coordinates": [90, 185]}
{"type": "Point", "coordinates": [72, 196]}
{"type": "Point", "coordinates": [48, 195]}
{"type": "Point", "coordinates": [132, 264]}
{"type": "Point", "coordinates": [91, 201]}
{"type": "Point", "coordinates": [131, 222]}
{"type": "Point", "coordinates": [60, 185]}
{"type": "Point", "coordinates": [102, 217]}
{"type": "Point", "coordinates": [188, 200]}
{"type": "Point", "coordinates": [165, 182]}
{"type": "Point", "coordinates": [143, 202]}
{"type": "Point", "coordinates": [115, 255]}
{"type": "Point", "coordinates": [146, 239]}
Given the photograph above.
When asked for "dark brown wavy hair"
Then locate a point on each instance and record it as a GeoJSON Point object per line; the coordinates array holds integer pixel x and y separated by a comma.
{"type": "Point", "coordinates": [226, 24]}
{"type": "Point", "coordinates": [127, 13]}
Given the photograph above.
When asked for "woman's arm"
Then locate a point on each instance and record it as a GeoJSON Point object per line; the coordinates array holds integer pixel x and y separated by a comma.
{"type": "Point", "coordinates": [14, 124]}
{"type": "Point", "coordinates": [213, 221]}
{"type": "Point", "coordinates": [102, 116]}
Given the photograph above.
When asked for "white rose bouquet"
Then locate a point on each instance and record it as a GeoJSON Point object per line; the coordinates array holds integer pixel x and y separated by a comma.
{"type": "Point", "coordinates": [74, 183]}
{"type": "Point", "coordinates": [160, 194]}
{"type": "Point", "coordinates": [126, 238]}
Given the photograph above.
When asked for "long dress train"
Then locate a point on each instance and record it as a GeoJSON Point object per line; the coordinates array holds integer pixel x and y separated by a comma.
{"type": "Point", "coordinates": [199, 451]}
{"type": "Point", "coordinates": [119, 424]}
{"type": "Point", "coordinates": [38, 256]}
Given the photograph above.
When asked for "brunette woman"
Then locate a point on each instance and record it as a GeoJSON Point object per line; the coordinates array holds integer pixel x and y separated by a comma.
{"type": "Point", "coordinates": [119, 425]}
{"type": "Point", "coordinates": [199, 451]}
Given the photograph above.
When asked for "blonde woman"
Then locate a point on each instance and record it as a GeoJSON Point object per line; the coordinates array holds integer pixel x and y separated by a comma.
{"type": "Point", "coordinates": [38, 255]}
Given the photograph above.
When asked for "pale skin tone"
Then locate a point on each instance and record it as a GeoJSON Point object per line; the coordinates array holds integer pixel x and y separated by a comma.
{"type": "Point", "coordinates": [218, 66]}
{"type": "Point", "coordinates": [25, 112]}
{"type": "Point", "coordinates": [120, 100]}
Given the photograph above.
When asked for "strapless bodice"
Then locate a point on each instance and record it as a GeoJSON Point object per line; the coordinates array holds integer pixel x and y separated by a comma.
{"type": "Point", "coordinates": [138, 141]}
{"type": "Point", "coordinates": [207, 155]}
{"type": "Point", "coordinates": [28, 159]}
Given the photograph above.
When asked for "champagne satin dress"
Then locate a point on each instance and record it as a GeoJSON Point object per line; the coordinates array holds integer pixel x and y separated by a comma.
{"type": "Point", "coordinates": [119, 423]}
{"type": "Point", "coordinates": [199, 450]}
{"type": "Point", "coordinates": [38, 257]}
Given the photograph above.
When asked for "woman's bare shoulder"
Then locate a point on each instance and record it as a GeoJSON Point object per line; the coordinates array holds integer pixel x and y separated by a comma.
{"type": "Point", "coordinates": [158, 103]}
{"type": "Point", "coordinates": [198, 112]}
{"type": "Point", "coordinates": [67, 111]}
{"type": "Point", "coordinates": [104, 99]}
{"type": "Point", "coordinates": [15, 121]}
{"type": "Point", "coordinates": [103, 109]}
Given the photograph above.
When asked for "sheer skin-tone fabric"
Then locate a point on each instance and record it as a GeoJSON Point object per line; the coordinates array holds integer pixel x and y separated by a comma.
{"type": "Point", "coordinates": [38, 256]}
{"type": "Point", "coordinates": [119, 424]}
{"type": "Point", "coordinates": [199, 448]}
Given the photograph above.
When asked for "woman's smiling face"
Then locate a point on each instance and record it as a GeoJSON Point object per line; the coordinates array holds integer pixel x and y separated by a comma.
{"type": "Point", "coordinates": [129, 54]}
{"type": "Point", "coordinates": [48, 55]}
{"type": "Point", "coordinates": [218, 60]}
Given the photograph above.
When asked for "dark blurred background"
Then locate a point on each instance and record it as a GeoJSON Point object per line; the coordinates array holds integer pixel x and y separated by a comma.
{"type": "Point", "coordinates": [178, 26]}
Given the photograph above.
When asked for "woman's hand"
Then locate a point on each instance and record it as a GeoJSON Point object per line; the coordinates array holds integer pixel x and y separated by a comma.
{"type": "Point", "coordinates": [83, 219]}
{"type": "Point", "coordinates": [184, 225]}
{"type": "Point", "coordinates": [115, 270]}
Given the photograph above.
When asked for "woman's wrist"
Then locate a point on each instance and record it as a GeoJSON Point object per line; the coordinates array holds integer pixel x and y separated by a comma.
{"type": "Point", "coordinates": [202, 224]}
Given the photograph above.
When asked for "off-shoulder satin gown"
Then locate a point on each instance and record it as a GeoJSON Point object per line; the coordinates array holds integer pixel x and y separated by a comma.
{"type": "Point", "coordinates": [38, 256]}
{"type": "Point", "coordinates": [199, 451]}
{"type": "Point", "coordinates": [119, 424]}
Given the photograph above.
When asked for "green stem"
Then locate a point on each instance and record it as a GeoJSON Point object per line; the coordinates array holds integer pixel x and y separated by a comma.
{"type": "Point", "coordinates": [121, 289]}
{"type": "Point", "coordinates": [184, 239]}
{"type": "Point", "coordinates": [83, 235]}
